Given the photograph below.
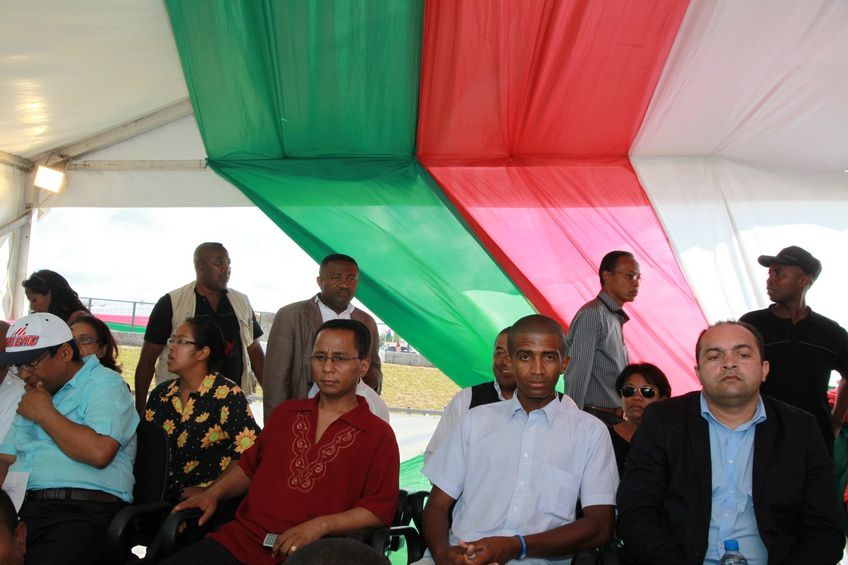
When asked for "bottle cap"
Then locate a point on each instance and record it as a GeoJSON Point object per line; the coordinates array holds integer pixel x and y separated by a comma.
{"type": "Point", "coordinates": [731, 545]}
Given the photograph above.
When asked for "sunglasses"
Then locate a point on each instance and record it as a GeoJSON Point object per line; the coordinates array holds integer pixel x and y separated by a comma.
{"type": "Point", "coordinates": [629, 390]}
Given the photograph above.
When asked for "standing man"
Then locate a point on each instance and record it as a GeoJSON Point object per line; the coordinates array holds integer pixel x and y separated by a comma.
{"type": "Point", "coordinates": [801, 346]}
{"type": "Point", "coordinates": [595, 341]}
{"type": "Point", "coordinates": [206, 297]}
{"type": "Point", "coordinates": [75, 435]}
{"type": "Point", "coordinates": [727, 463]}
{"type": "Point", "coordinates": [325, 466]}
{"type": "Point", "coordinates": [293, 333]}
{"type": "Point", "coordinates": [517, 468]}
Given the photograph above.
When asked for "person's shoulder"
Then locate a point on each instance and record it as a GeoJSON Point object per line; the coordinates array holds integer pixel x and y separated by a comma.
{"type": "Point", "coordinates": [298, 307]}
{"type": "Point", "coordinates": [162, 388]}
{"type": "Point", "coordinates": [362, 316]}
{"type": "Point", "coordinates": [824, 321]}
{"type": "Point", "coordinates": [674, 409]}
{"type": "Point", "coordinates": [755, 316]}
{"type": "Point", "coordinates": [792, 416]}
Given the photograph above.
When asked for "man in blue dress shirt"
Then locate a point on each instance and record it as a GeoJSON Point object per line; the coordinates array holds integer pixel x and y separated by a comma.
{"type": "Point", "coordinates": [75, 435]}
{"type": "Point", "coordinates": [517, 468]}
{"type": "Point", "coordinates": [727, 463]}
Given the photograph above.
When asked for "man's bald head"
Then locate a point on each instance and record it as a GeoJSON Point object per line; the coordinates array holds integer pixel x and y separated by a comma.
{"type": "Point", "coordinates": [535, 324]}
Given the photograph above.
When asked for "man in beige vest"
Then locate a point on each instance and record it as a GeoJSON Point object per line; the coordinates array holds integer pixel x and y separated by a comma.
{"type": "Point", "coordinates": [208, 296]}
{"type": "Point", "coordinates": [292, 335]}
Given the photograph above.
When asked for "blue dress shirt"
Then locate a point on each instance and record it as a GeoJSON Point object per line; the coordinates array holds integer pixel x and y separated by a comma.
{"type": "Point", "coordinates": [96, 397]}
{"type": "Point", "coordinates": [732, 457]}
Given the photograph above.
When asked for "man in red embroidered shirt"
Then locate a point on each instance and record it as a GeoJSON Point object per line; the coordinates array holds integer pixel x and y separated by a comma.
{"type": "Point", "coordinates": [321, 467]}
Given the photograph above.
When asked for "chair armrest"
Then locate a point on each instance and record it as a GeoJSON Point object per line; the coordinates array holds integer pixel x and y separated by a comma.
{"type": "Point", "coordinates": [119, 530]}
{"type": "Point", "coordinates": [168, 540]}
{"type": "Point", "coordinates": [415, 546]}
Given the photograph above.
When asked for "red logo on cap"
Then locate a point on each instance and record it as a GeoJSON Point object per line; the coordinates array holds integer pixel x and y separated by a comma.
{"type": "Point", "coordinates": [20, 338]}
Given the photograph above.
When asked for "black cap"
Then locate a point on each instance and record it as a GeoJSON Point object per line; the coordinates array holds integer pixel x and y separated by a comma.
{"type": "Point", "coordinates": [794, 256]}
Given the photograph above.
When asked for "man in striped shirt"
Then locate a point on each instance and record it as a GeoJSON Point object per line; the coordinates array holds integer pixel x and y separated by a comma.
{"type": "Point", "coordinates": [595, 340]}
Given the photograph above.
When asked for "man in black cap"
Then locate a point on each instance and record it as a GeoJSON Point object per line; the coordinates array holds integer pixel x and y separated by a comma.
{"type": "Point", "coordinates": [802, 347]}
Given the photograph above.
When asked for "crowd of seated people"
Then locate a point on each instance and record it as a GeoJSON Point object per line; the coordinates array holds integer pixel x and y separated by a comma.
{"type": "Point", "coordinates": [519, 472]}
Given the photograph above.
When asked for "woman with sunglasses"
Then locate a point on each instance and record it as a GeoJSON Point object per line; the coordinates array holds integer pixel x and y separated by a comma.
{"type": "Point", "coordinates": [638, 385]}
{"type": "Point", "coordinates": [206, 416]}
{"type": "Point", "coordinates": [94, 337]}
{"type": "Point", "coordinates": [48, 291]}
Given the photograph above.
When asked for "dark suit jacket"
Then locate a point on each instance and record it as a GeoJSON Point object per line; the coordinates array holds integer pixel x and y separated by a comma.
{"type": "Point", "coordinates": [288, 369]}
{"type": "Point", "coordinates": [665, 496]}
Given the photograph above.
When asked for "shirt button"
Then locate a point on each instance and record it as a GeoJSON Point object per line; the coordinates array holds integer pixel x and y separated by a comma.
{"type": "Point", "coordinates": [526, 455]}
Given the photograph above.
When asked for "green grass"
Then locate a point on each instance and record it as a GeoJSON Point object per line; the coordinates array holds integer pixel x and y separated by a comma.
{"type": "Point", "coordinates": [404, 386]}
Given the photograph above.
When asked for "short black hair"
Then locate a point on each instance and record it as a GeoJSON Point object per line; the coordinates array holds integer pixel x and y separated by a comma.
{"type": "Point", "coordinates": [51, 350]}
{"type": "Point", "coordinates": [338, 257]}
{"type": "Point", "coordinates": [610, 261]}
{"type": "Point", "coordinates": [361, 334]}
{"type": "Point", "coordinates": [500, 333]}
{"type": "Point", "coordinates": [8, 515]}
{"type": "Point", "coordinates": [758, 338]}
{"type": "Point", "coordinates": [207, 333]}
{"type": "Point", "coordinates": [652, 374]}
{"type": "Point", "coordinates": [535, 323]}
{"type": "Point", "coordinates": [207, 245]}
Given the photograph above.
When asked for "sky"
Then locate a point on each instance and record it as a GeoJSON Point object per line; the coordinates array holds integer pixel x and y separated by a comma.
{"type": "Point", "coordinates": [139, 254]}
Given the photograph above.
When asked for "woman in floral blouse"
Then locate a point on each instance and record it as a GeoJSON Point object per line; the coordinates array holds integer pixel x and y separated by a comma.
{"type": "Point", "coordinates": [206, 416]}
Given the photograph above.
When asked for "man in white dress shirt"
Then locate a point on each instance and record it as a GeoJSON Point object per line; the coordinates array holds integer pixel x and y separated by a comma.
{"type": "Point", "coordinates": [516, 469]}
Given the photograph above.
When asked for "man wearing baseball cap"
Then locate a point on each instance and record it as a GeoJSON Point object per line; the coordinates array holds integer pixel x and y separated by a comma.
{"type": "Point", "coordinates": [74, 434]}
{"type": "Point", "coordinates": [802, 346]}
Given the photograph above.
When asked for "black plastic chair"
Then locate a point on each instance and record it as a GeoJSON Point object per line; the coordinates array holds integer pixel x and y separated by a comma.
{"type": "Point", "coordinates": [138, 524]}
{"type": "Point", "coordinates": [410, 511]}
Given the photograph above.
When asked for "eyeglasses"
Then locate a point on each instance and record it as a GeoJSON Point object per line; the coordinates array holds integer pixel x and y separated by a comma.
{"type": "Point", "coordinates": [629, 390]}
{"type": "Point", "coordinates": [180, 341]}
{"type": "Point", "coordinates": [322, 358]}
{"type": "Point", "coordinates": [630, 275]}
{"type": "Point", "coordinates": [32, 365]}
{"type": "Point", "coordinates": [86, 340]}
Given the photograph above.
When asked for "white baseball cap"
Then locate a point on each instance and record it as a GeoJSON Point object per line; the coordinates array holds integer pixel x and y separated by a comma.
{"type": "Point", "coordinates": [32, 335]}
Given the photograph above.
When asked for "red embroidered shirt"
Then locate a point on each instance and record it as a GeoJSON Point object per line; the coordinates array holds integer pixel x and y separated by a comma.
{"type": "Point", "coordinates": [293, 479]}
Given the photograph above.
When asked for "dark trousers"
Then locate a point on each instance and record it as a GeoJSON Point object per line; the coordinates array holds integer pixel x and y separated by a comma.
{"type": "Point", "coordinates": [67, 532]}
{"type": "Point", "coordinates": [204, 552]}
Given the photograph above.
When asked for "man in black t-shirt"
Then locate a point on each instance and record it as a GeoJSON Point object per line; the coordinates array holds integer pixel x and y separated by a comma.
{"type": "Point", "coordinates": [207, 296]}
{"type": "Point", "coordinates": [802, 347]}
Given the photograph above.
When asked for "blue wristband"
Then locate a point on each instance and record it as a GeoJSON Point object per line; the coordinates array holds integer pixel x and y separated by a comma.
{"type": "Point", "coordinates": [523, 553]}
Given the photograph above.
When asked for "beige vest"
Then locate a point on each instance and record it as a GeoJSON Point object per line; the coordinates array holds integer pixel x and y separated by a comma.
{"type": "Point", "coordinates": [183, 304]}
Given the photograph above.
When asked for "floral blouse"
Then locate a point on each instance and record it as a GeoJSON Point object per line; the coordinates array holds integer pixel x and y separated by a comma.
{"type": "Point", "coordinates": [214, 427]}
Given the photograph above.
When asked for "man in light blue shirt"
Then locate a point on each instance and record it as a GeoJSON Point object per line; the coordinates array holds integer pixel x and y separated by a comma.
{"type": "Point", "coordinates": [728, 463]}
{"type": "Point", "coordinates": [517, 468]}
{"type": "Point", "coordinates": [75, 435]}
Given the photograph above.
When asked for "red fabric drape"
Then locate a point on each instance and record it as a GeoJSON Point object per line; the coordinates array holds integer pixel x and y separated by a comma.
{"type": "Point", "coordinates": [527, 112]}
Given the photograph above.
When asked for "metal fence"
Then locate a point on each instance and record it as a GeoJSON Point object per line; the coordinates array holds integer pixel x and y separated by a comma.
{"type": "Point", "coordinates": [120, 315]}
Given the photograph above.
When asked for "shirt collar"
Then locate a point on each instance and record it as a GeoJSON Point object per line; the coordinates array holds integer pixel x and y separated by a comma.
{"type": "Point", "coordinates": [330, 314]}
{"type": "Point", "coordinates": [360, 417]}
{"type": "Point", "coordinates": [758, 417]}
{"type": "Point", "coordinates": [612, 305]}
{"type": "Point", "coordinates": [551, 411]}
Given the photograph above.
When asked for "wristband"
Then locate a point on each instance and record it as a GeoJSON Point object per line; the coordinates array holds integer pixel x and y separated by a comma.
{"type": "Point", "coordinates": [523, 553]}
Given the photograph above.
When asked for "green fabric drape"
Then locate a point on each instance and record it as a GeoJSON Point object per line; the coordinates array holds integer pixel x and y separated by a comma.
{"type": "Point", "coordinates": [420, 270]}
{"type": "Point", "coordinates": [309, 107]}
{"type": "Point", "coordinates": [301, 78]}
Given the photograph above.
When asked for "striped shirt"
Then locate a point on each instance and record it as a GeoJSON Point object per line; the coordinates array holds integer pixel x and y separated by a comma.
{"type": "Point", "coordinates": [595, 343]}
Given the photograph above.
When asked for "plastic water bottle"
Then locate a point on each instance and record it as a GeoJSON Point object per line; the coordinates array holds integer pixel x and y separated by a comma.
{"type": "Point", "coordinates": [731, 554]}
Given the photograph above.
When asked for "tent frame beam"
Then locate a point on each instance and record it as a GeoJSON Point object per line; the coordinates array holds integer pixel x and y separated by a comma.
{"type": "Point", "coordinates": [117, 134]}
